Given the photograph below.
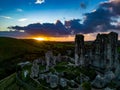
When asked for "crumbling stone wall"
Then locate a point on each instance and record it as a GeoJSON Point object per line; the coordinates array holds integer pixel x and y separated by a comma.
{"type": "Point", "coordinates": [103, 53]}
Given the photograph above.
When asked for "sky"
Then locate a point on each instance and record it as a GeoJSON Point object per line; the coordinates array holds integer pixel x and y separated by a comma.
{"type": "Point", "coordinates": [58, 18]}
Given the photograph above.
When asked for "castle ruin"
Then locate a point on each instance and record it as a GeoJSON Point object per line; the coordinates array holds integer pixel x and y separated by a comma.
{"type": "Point", "coordinates": [102, 53]}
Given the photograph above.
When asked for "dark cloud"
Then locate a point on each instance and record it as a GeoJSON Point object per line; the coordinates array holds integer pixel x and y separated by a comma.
{"type": "Point", "coordinates": [48, 29]}
{"type": "Point", "coordinates": [113, 6]}
{"type": "Point", "coordinates": [102, 18]}
{"type": "Point", "coordinates": [74, 26]}
{"type": "Point", "coordinates": [99, 20]}
{"type": "Point", "coordinates": [83, 5]}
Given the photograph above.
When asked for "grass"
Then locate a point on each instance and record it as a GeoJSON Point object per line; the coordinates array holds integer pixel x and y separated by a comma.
{"type": "Point", "coordinates": [10, 47]}
{"type": "Point", "coordinates": [42, 67]}
{"type": "Point", "coordinates": [61, 66]}
{"type": "Point", "coordinates": [13, 51]}
{"type": "Point", "coordinates": [9, 83]}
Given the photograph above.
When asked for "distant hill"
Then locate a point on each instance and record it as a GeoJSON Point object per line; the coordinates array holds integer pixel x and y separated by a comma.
{"type": "Point", "coordinates": [10, 51]}
{"type": "Point", "coordinates": [10, 47]}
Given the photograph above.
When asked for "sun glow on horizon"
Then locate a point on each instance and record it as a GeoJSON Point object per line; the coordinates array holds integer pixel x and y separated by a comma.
{"type": "Point", "coordinates": [88, 37]}
{"type": "Point", "coordinates": [40, 39]}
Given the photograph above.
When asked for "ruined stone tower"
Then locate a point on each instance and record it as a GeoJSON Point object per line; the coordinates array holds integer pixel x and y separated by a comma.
{"type": "Point", "coordinates": [105, 50]}
{"type": "Point", "coordinates": [79, 49]}
{"type": "Point", "coordinates": [103, 53]}
{"type": "Point", "coordinates": [100, 50]}
{"type": "Point", "coordinates": [112, 54]}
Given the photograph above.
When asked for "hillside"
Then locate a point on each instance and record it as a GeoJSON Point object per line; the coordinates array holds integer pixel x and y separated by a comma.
{"type": "Point", "coordinates": [9, 83]}
{"type": "Point", "coordinates": [13, 51]}
{"type": "Point", "coordinates": [10, 47]}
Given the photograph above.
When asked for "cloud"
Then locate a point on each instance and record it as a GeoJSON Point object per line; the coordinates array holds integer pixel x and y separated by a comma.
{"type": "Point", "coordinates": [47, 29]}
{"type": "Point", "coordinates": [22, 19]}
{"type": "Point", "coordinates": [99, 20]}
{"type": "Point", "coordinates": [6, 17]}
{"type": "Point", "coordinates": [115, 1]}
{"type": "Point", "coordinates": [74, 26]}
{"type": "Point", "coordinates": [39, 1]}
{"type": "Point", "coordinates": [15, 34]}
{"type": "Point", "coordinates": [83, 5]}
{"type": "Point", "coordinates": [112, 5]}
{"type": "Point", "coordinates": [94, 22]}
{"type": "Point", "coordinates": [102, 19]}
{"type": "Point", "coordinates": [20, 10]}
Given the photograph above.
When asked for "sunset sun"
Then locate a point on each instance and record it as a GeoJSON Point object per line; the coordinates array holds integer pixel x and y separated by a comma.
{"type": "Point", "coordinates": [40, 39]}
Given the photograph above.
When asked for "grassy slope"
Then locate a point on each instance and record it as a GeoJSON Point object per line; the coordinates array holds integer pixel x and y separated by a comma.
{"type": "Point", "coordinates": [13, 83]}
{"type": "Point", "coordinates": [13, 51]}
{"type": "Point", "coordinates": [10, 47]}
{"type": "Point", "coordinates": [10, 51]}
{"type": "Point", "coordinates": [9, 83]}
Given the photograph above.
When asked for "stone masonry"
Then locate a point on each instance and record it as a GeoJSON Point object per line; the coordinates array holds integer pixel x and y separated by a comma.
{"type": "Point", "coordinates": [103, 53]}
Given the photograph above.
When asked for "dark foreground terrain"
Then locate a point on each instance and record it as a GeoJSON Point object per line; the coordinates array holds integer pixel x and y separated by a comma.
{"type": "Point", "coordinates": [14, 51]}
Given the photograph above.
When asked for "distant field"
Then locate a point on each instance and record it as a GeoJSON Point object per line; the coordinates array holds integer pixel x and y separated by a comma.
{"type": "Point", "coordinates": [10, 47]}
{"type": "Point", "coordinates": [13, 51]}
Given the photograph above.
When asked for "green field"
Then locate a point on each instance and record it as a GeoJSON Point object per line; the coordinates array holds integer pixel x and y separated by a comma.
{"type": "Point", "coordinates": [9, 83]}
{"type": "Point", "coordinates": [13, 51]}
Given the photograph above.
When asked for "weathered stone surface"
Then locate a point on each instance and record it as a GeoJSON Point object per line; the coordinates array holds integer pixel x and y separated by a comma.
{"type": "Point", "coordinates": [63, 82]}
{"type": "Point", "coordinates": [48, 77]}
{"type": "Point", "coordinates": [109, 76]}
{"type": "Point", "coordinates": [72, 82]}
{"type": "Point", "coordinates": [79, 49]}
{"type": "Point", "coordinates": [107, 88]}
{"type": "Point", "coordinates": [54, 60]}
{"type": "Point", "coordinates": [117, 72]}
{"type": "Point", "coordinates": [26, 73]}
{"type": "Point", "coordinates": [35, 69]}
{"type": "Point", "coordinates": [49, 59]}
{"type": "Point", "coordinates": [76, 59]}
{"type": "Point", "coordinates": [105, 50]}
{"type": "Point", "coordinates": [53, 81]}
{"type": "Point", "coordinates": [42, 76]}
{"type": "Point", "coordinates": [80, 88]}
{"type": "Point", "coordinates": [99, 82]}
{"type": "Point", "coordinates": [103, 53]}
{"type": "Point", "coordinates": [58, 58]}
{"type": "Point", "coordinates": [22, 64]}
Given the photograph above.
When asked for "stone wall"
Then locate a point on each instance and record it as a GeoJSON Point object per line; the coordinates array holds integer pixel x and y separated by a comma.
{"type": "Point", "coordinates": [79, 49]}
{"type": "Point", "coordinates": [103, 53]}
